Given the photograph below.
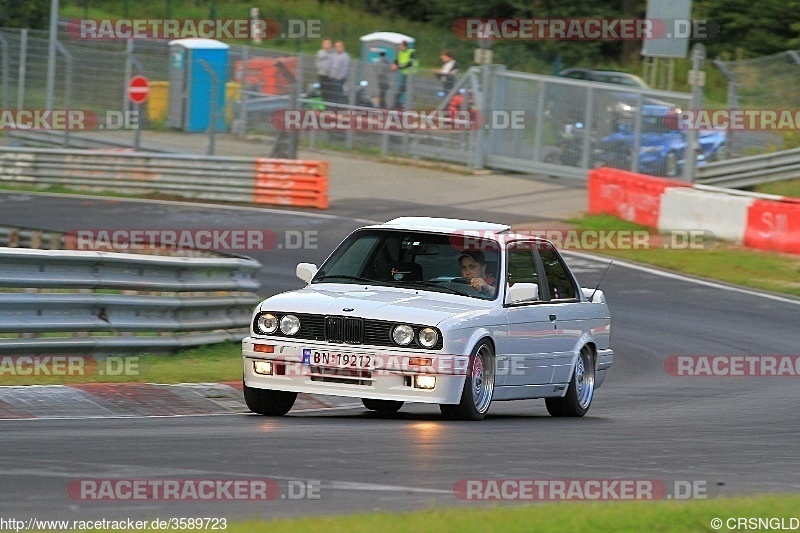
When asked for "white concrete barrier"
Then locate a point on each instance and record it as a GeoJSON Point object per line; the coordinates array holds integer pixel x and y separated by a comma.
{"type": "Point", "coordinates": [691, 209]}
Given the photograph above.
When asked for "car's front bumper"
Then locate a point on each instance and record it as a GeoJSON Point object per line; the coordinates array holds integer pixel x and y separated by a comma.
{"type": "Point", "coordinates": [392, 377]}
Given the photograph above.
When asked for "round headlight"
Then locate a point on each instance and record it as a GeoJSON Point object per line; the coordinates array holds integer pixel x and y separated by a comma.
{"type": "Point", "coordinates": [428, 337]}
{"type": "Point", "coordinates": [290, 324]}
{"type": "Point", "coordinates": [403, 335]}
{"type": "Point", "coordinates": [266, 323]}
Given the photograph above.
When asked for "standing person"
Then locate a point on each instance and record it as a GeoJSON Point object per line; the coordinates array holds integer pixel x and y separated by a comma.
{"type": "Point", "coordinates": [323, 62]}
{"type": "Point", "coordinates": [447, 74]}
{"type": "Point", "coordinates": [340, 68]}
{"type": "Point", "coordinates": [383, 69]}
{"type": "Point", "coordinates": [405, 64]}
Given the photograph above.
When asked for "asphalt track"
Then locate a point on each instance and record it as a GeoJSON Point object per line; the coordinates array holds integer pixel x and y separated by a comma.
{"type": "Point", "coordinates": [734, 435]}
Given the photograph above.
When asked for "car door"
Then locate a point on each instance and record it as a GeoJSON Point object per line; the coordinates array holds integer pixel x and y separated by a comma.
{"type": "Point", "coordinates": [564, 311]}
{"type": "Point", "coordinates": [524, 356]}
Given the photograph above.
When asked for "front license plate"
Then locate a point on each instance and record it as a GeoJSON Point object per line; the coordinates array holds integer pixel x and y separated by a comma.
{"type": "Point", "coordinates": [338, 359]}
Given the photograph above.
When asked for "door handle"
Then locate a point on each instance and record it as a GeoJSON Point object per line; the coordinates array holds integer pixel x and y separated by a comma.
{"type": "Point", "coordinates": [552, 318]}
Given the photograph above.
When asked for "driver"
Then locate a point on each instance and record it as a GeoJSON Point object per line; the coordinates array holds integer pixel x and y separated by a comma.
{"type": "Point", "coordinates": [473, 267]}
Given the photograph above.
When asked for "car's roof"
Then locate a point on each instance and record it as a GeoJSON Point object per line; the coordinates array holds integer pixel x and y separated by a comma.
{"type": "Point", "coordinates": [488, 230]}
{"type": "Point", "coordinates": [607, 75]}
{"type": "Point", "coordinates": [442, 225]}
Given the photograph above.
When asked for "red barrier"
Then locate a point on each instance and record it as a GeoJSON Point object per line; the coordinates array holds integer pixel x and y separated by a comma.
{"type": "Point", "coordinates": [627, 195]}
{"type": "Point", "coordinates": [773, 225]}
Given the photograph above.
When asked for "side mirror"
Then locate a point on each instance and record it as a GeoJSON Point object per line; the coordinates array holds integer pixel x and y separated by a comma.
{"type": "Point", "coordinates": [522, 292]}
{"type": "Point", "coordinates": [597, 295]}
{"type": "Point", "coordinates": [306, 271]}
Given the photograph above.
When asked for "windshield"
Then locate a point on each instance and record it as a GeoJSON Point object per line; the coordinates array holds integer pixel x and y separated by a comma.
{"type": "Point", "coordinates": [655, 124]}
{"type": "Point", "coordinates": [418, 260]}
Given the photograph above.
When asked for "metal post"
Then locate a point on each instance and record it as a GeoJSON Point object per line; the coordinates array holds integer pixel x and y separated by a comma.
{"type": "Point", "coordinates": [637, 133]}
{"type": "Point", "coordinates": [732, 103]}
{"type": "Point", "coordinates": [588, 126]}
{"type": "Point", "coordinates": [540, 110]}
{"type": "Point", "coordinates": [243, 93]}
{"type": "Point", "coordinates": [126, 103]}
{"type": "Point", "coordinates": [51, 54]}
{"type": "Point", "coordinates": [68, 85]}
{"type": "Point", "coordinates": [483, 108]}
{"type": "Point", "coordinates": [351, 100]}
{"type": "Point", "coordinates": [137, 134]}
{"type": "Point", "coordinates": [23, 53]}
{"type": "Point", "coordinates": [4, 44]}
{"type": "Point", "coordinates": [689, 156]}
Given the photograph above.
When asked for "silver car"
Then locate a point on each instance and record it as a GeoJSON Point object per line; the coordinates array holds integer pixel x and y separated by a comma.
{"type": "Point", "coordinates": [452, 312]}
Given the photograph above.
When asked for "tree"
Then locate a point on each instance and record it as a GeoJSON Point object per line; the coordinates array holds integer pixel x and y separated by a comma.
{"type": "Point", "coordinates": [33, 14]}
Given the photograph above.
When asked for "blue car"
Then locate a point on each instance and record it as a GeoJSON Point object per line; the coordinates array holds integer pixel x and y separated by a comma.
{"type": "Point", "coordinates": [662, 148]}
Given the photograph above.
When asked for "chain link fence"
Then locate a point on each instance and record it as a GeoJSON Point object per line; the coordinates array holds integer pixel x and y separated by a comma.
{"type": "Point", "coordinates": [768, 83]}
{"type": "Point", "coordinates": [519, 122]}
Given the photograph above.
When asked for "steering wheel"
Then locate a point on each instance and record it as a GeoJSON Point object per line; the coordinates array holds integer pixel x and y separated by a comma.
{"type": "Point", "coordinates": [464, 281]}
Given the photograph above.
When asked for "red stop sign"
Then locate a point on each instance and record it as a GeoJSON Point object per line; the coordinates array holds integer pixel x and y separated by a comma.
{"type": "Point", "coordinates": [138, 89]}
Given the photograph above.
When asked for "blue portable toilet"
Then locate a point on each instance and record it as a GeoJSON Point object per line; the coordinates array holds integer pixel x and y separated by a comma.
{"type": "Point", "coordinates": [191, 83]}
{"type": "Point", "coordinates": [383, 41]}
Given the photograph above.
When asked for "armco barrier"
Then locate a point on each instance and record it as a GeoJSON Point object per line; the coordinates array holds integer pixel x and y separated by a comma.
{"type": "Point", "coordinates": [117, 302]}
{"type": "Point", "coordinates": [774, 225]}
{"type": "Point", "coordinates": [627, 195]}
{"type": "Point", "coordinates": [228, 179]}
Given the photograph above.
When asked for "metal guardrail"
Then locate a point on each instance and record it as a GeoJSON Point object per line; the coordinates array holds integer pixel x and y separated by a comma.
{"type": "Point", "coordinates": [751, 170]}
{"type": "Point", "coordinates": [144, 303]}
{"type": "Point", "coordinates": [229, 179]}
{"type": "Point", "coordinates": [60, 139]}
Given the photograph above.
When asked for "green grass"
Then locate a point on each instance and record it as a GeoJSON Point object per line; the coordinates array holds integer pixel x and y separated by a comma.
{"type": "Point", "coordinates": [783, 188]}
{"type": "Point", "coordinates": [219, 362]}
{"type": "Point", "coordinates": [769, 271]}
{"type": "Point", "coordinates": [587, 517]}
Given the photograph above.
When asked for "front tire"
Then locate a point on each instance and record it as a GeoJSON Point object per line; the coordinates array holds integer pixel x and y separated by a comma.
{"type": "Point", "coordinates": [478, 386]}
{"type": "Point", "coordinates": [581, 389]}
{"type": "Point", "coordinates": [268, 402]}
{"type": "Point", "coordinates": [385, 407]}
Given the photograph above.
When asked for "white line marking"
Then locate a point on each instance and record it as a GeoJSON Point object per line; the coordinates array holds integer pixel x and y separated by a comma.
{"type": "Point", "coordinates": [120, 417]}
{"type": "Point", "coordinates": [682, 277]}
{"type": "Point", "coordinates": [209, 205]}
{"type": "Point", "coordinates": [345, 407]}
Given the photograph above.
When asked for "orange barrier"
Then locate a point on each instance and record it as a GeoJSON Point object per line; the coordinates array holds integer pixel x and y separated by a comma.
{"type": "Point", "coordinates": [297, 183]}
{"type": "Point", "coordinates": [627, 195]}
{"type": "Point", "coordinates": [263, 74]}
{"type": "Point", "coordinates": [774, 225]}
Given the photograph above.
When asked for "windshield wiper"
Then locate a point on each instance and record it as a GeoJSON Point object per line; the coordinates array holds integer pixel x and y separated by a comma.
{"type": "Point", "coordinates": [430, 284]}
{"type": "Point", "coordinates": [346, 276]}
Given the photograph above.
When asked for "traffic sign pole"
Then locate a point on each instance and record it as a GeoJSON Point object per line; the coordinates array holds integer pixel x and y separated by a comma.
{"type": "Point", "coordinates": [137, 135]}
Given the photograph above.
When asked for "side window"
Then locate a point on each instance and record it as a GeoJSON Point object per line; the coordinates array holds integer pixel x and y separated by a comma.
{"type": "Point", "coordinates": [558, 279]}
{"type": "Point", "coordinates": [521, 264]}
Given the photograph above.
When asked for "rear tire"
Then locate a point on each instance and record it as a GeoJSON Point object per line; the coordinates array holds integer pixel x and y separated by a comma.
{"type": "Point", "coordinates": [385, 407]}
{"type": "Point", "coordinates": [671, 169]}
{"type": "Point", "coordinates": [269, 402]}
{"type": "Point", "coordinates": [581, 389]}
{"type": "Point", "coordinates": [476, 398]}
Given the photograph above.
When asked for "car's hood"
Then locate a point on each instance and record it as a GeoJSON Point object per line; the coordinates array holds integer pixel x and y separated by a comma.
{"type": "Point", "coordinates": [382, 303]}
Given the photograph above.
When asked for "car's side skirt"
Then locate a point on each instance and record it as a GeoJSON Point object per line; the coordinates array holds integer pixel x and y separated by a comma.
{"type": "Point", "coordinates": [528, 392]}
